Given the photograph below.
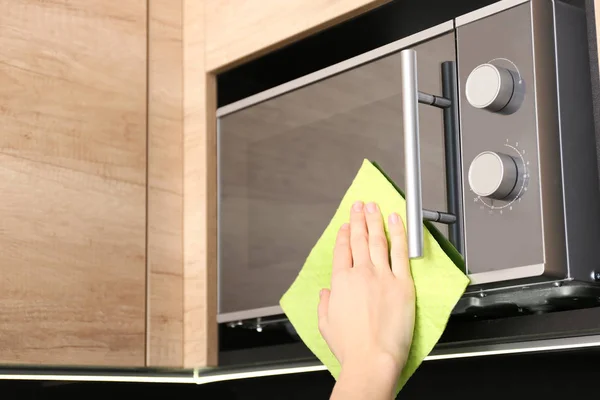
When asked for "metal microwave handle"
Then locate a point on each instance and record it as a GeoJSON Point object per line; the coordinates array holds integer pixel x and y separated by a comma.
{"type": "Point", "coordinates": [411, 97]}
{"type": "Point", "coordinates": [412, 153]}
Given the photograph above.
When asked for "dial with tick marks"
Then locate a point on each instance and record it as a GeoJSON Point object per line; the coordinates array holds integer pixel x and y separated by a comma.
{"type": "Point", "coordinates": [499, 178]}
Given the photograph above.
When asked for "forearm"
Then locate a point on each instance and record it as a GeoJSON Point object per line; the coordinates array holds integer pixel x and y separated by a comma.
{"type": "Point", "coordinates": [368, 379]}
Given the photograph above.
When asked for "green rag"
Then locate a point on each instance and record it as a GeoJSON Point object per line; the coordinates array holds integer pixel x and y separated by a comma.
{"type": "Point", "coordinates": [439, 281]}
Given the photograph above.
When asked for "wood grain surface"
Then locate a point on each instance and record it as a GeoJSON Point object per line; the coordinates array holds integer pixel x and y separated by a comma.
{"type": "Point", "coordinates": [237, 30]}
{"type": "Point", "coordinates": [165, 184]}
{"type": "Point", "coordinates": [200, 195]}
{"type": "Point", "coordinates": [72, 178]}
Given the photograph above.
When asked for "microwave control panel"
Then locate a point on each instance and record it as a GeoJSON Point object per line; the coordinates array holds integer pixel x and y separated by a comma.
{"type": "Point", "coordinates": [529, 162]}
{"type": "Point", "coordinates": [499, 139]}
{"type": "Point", "coordinates": [498, 176]}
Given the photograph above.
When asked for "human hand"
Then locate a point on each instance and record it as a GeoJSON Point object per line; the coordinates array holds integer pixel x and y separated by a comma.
{"type": "Point", "coordinates": [367, 318]}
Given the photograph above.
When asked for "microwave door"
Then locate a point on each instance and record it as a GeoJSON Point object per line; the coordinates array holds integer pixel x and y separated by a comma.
{"type": "Point", "coordinates": [285, 163]}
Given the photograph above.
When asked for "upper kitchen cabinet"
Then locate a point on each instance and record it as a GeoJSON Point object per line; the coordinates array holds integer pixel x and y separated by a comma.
{"type": "Point", "coordinates": [73, 182]}
{"type": "Point", "coordinates": [239, 30]}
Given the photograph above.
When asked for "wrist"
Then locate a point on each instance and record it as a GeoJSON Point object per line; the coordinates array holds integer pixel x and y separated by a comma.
{"type": "Point", "coordinates": [372, 370]}
{"type": "Point", "coordinates": [383, 364]}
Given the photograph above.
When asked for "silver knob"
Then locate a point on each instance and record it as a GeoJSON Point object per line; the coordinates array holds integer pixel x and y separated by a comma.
{"type": "Point", "coordinates": [493, 175]}
{"type": "Point", "coordinates": [490, 87]}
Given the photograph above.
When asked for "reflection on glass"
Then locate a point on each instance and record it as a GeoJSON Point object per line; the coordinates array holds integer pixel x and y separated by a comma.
{"type": "Point", "coordinates": [285, 164]}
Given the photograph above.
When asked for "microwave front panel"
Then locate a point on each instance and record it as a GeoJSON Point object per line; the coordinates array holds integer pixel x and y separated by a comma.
{"type": "Point", "coordinates": [285, 163]}
{"type": "Point", "coordinates": [502, 234]}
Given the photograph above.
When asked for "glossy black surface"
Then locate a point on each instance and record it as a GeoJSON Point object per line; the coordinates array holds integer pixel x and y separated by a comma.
{"type": "Point", "coordinates": [241, 346]}
{"type": "Point", "coordinates": [390, 22]}
{"type": "Point", "coordinates": [543, 376]}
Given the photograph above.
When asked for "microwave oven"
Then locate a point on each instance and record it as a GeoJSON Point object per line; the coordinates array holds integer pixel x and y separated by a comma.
{"type": "Point", "coordinates": [486, 123]}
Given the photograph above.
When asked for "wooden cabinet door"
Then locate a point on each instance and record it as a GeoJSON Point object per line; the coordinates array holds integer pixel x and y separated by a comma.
{"type": "Point", "coordinates": [72, 182]}
{"type": "Point", "coordinates": [237, 30]}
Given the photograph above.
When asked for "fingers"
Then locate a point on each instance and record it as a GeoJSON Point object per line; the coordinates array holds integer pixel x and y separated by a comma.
{"type": "Point", "coordinates": [323, 311]}
{"type": "Point", "coordinates": [378, 246]}
{"type": "Point", "coordinates": [358, 236]}
{"type": "Point", "coordinates": [399, 247]}
{"type": "Point", "coordinates": [342, 256]}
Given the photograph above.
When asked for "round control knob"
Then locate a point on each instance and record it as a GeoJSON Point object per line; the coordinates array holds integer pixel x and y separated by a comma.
{"type": "Point", "coordinates": [489, 87]}
{"type": "Point", "coordinates": [493, 175]}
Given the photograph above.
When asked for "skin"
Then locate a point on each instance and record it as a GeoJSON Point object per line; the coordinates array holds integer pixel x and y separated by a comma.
{"type": "Point", "coordinates": [367, 318]}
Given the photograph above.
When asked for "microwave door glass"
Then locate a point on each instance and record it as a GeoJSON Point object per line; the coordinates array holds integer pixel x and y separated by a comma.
{"type": "Point", "coordinates": [285, 163]}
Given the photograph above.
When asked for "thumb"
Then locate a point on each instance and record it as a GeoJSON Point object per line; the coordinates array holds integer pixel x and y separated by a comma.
{"type": "Point", "coordinates": [323, 310]}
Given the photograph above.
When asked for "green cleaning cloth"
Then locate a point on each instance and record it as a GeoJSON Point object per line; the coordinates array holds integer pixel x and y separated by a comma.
{"type": "Point", "coordinates": [439, 281]}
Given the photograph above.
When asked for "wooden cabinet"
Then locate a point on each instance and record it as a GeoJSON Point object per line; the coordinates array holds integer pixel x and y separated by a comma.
{"type": "Point", "coordinates": [108, 171]}
{"type": "Point", "coordinates": [73, 182]}
{"type": "Point", "coordinates": [237, 30]}
{"type": "Point", "coordinates": [108, 167]}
